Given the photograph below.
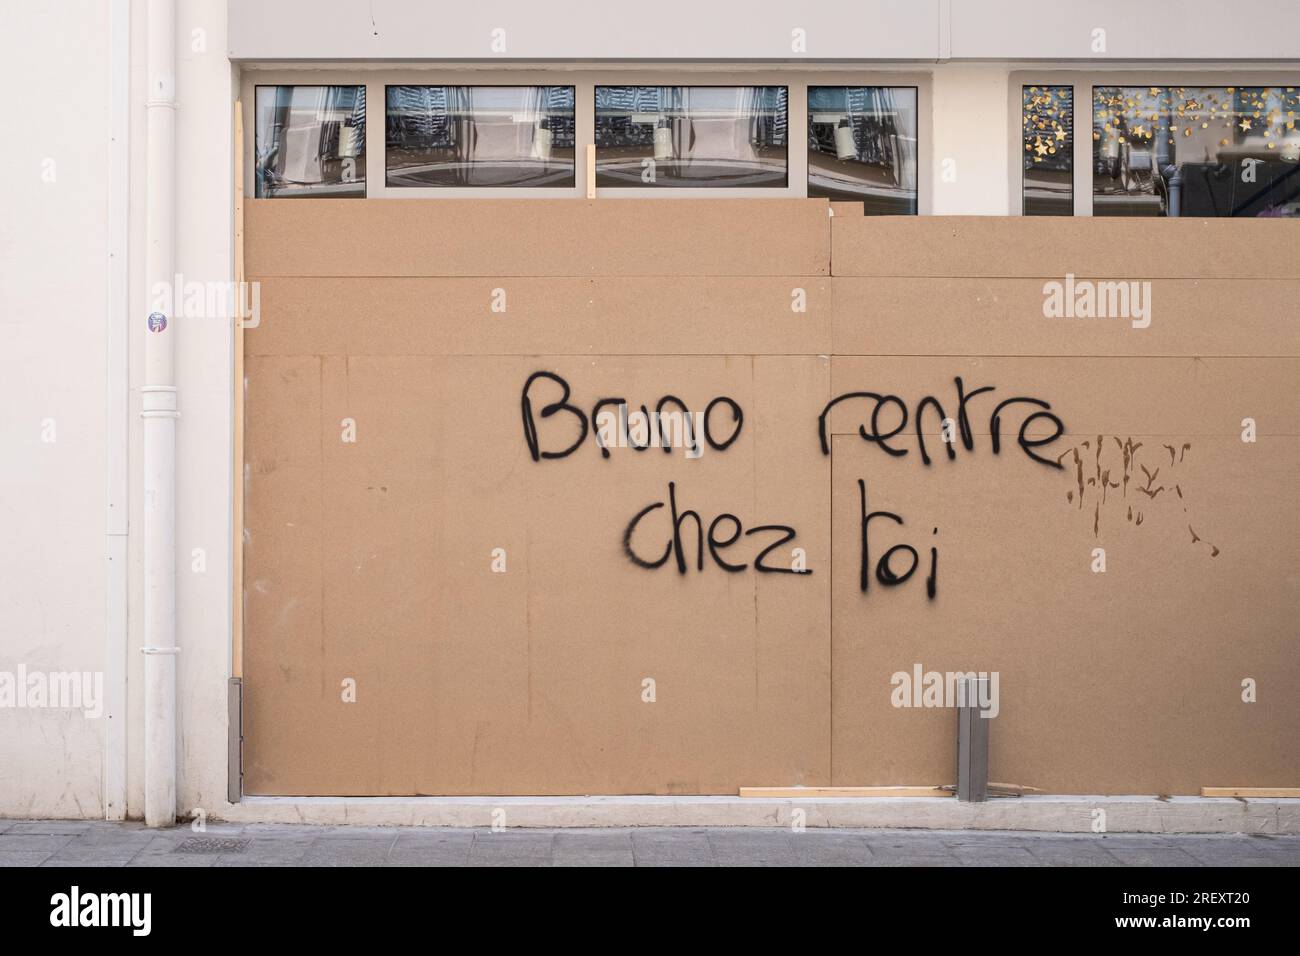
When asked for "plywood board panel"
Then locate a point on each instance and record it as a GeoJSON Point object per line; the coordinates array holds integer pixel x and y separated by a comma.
{"type": "Point", "coordinates": [437, 540]}
{"type": "Point", "coordinates": [537, 237]}
{"type": "Point", "coordinates": [1127, 680]}
{"type": "Point", "coordinates": [994, 316]}
{"type": "Point", "coordinates": [1144, 398]}
{"type": "Point", "coordinates": [688, 315]}
{"type": "Point", "coordinates": [1050, 247]}
{"type": "Point", "coordinates": [531, 680]}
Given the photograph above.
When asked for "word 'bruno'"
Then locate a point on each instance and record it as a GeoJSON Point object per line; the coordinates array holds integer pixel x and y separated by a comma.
{"type": "Point", "coordinates": [665, 428]}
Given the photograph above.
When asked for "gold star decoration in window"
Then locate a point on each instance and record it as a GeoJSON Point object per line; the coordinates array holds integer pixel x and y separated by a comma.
{"type": "Point", "coordinates": [1257, 117]}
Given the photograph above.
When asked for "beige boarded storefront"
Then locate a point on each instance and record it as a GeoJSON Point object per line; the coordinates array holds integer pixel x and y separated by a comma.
{"type": "Point", "coordinates": [440, 597]}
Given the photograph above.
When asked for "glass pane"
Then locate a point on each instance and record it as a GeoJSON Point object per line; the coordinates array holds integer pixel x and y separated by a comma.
{"type": "Point", "coordinates": [1048, 126]}
{"type": "Point", "coordinates": [310, 141]}
{"type": "Point", "coordinates": [480, 136]}
{"type": "Point", "coordinates": [1195, 151]}
{"type": "Point", "coordinates": [862, 146]}
{"type": "Point", "coordinates": [720, 136]}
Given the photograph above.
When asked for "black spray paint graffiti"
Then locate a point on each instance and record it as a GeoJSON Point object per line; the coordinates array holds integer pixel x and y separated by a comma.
{"type": "Point", "coordinates": [669, 425]}
{"type": "Point", "coordinates": [1097, 474]}
{"type": "Point", "coordinates": [894, 412]}
{"type": "Point", "coordinates": [675, 548]}
{"type": "Point", "coordinates": [561, 405]}
{"type": "Point", "coordinates": [884, 569]}
{"type": "Point", "coordinates": [884, 402]}
{"type": "Point", "coordinates": [726, 530]}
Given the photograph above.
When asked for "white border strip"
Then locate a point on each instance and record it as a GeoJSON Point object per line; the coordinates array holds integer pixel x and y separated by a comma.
{"type": "Point", "coordinates": [1067, 814]}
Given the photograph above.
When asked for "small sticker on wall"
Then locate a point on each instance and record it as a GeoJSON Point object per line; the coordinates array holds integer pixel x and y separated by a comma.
{"type": "Point", "coordinates": [157, 322]}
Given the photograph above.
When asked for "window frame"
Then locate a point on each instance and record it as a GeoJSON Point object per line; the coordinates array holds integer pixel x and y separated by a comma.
{"type": "Point", "coordinates": [250, 126]}
{"type": "Point", "coordinates": [642, 191]}
{"type": "Point", "coordinates": [1084, 82]}
{"type": "Point", "coordinates": [584, 78]}
{"type": "Point", "coordinates": [922, 206]}
{"type": "Point", "coordinates": [1020, 147]}
{"type": "Point", "coordinates": [553, 190]}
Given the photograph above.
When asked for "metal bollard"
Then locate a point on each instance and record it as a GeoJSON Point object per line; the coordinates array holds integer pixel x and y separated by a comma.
{"type": "Point", "coordinates": [235, 741]}
{"type": "Point", "coordinates": [972, 740]}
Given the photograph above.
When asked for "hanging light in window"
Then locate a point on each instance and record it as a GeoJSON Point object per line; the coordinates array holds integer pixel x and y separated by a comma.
{"type": "Point", "coordinates": [663, 139]}
{"type": "Point", "coordinates": [542, 140]}
{"type": "Point", "coordinates": [845, 147]}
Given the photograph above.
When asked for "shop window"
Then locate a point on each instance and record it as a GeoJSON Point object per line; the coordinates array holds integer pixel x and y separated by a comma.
{"type": "Point", "coordinates": [862, 146]}
{"type": "Point", "coordinates": [480, 136]}
{"type": "Point", "coordinates": [692, 136]}
{"type": "Point", "coordinates": [1047, 187]}
{"type": "Point", "coordinates": [1195, 151]}
{"type": "Point", "coordinates": [310, 141]}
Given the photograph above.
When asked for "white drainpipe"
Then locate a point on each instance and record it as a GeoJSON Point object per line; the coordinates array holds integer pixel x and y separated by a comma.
{"type": "Point", "coordinates": [158, 409]}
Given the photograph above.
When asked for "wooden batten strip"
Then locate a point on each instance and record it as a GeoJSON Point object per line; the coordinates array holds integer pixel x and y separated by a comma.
{"type": "Point", "coordinates": [798, 793]}
{"type": "Point", "coordinates": [237, 413]}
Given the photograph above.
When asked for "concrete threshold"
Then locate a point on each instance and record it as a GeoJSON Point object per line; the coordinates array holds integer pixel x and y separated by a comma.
{"type": "Point", "coordinates": [1062, 814]}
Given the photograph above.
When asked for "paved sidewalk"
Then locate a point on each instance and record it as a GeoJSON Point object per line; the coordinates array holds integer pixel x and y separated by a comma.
{"type": "Point", "coordinates": [55, 843]}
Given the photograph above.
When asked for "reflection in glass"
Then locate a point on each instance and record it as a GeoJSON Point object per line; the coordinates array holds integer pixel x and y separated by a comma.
{"type": "Point", "coordinates": [1048, 134]}
{"type": "Point", "coordinates": [310, 141]}
{"type": "Point", "coordinates": [1195, 151]}
{"type": "Point", "coordinates": [480, 136]}
{"type": "Point", "coordinates": [862, 146]}
{"type": "Point", "coordinates": [719, 136]}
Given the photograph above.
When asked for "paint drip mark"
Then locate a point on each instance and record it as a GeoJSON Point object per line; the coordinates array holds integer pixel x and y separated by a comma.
{"type": "Point", "coordinates": [1103, 474]}
{"type": "Point", "coordinates": [1129, 449]}
{"type": "Point", "coordinates": [1078, 473]}
{"type": "Point", "coordinates": [1148, 490]}
{"type": "Point", "coordinates": [1196, 539]}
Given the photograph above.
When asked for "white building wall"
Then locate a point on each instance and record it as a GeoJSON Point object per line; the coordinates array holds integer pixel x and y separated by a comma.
{"type": "Point", "coordinates": [1108, 31]}
{"type": "Point", "coordinates": [53, 289]}
{"type": "Point", "coordinates": [54, 298]}
{"type": "Point", "coordinates": [204, 363]}
{"type": "Point", "coordinates": [54, 311]}
{"type": "Point", "coordinates": [971, 147]}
